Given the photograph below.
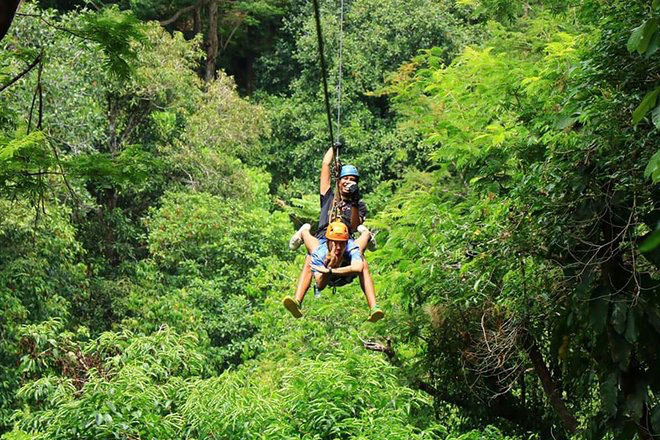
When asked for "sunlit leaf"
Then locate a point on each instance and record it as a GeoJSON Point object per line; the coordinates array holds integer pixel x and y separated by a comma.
{"type": "Point", "coordinates": [641, 36]}
{"type": "Point", "coordinates": [653, 167]}
{"type": "Point", "coordinates": [647, 104]}
{"type": "Point", "coordinates": [652, 242]}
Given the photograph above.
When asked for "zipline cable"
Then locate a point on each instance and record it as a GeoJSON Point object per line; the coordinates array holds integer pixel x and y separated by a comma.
{"type": "Point", "coordinates": [341, 49]}
{"type": "Point", "coordinates": [335, 211]}
{"type": "Point", "coordinates": [317, 13]}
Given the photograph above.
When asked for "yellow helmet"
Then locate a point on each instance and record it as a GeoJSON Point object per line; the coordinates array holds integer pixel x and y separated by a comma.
{"type": "Point", "coordinates": [337, 231]}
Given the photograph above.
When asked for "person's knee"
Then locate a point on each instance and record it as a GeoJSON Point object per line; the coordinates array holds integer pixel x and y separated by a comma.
{"type": "Point", "coordinates": [307, 265]}
{"type": "Point", "coordinates": [365, 266]}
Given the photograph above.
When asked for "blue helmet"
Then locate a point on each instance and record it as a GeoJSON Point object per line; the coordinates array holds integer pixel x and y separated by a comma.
{"type": "Point", "coordinates": [348, 170]}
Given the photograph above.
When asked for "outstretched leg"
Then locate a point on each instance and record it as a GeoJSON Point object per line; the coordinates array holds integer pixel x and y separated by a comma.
{"type": "Point", "coordinates": [366, 282]}
{"type": "Point", "coordinates": [311, 243]}
{"type": "Point", "coordinates": [304, 280]}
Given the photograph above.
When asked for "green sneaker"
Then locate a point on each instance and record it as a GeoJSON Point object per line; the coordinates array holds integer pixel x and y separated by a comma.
{"type": "Point", "coordinates": [375, 314]}
{"type": "Point", "coordinates": [293, 306]}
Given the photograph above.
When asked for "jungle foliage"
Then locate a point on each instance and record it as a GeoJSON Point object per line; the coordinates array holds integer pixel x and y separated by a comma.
{"type": "Point", "coordinates": [509, 158]}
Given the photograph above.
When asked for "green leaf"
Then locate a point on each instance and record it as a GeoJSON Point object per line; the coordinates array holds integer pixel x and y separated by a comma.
{"type": "Point", "coordinates": [608, 394]}
{"type": "Point", "coordinates": [655, 117]}
{"type": "Point", "coordinates": [654, 45]}
{"type": "Point", "coordinates": [653, 166]}
{"type": "Point", "coordinates": [23, 143]}
{"type": "Point", "coordinates": [641, 36]}
{"type": "Point", "coordinates": [437, 52]}
{"type": "Point", "coordinates": [655, 5]}
{"type": "Point", "coordinates": [647, 104]}
{"type": "Point", "coordinates": [635, 38]}
{"type": "Point", "coordinates": [652, 242]}
{"type": "Point", "coordinates": [565, 122]}
{"type": "Point", "coordinates": [115, 31]}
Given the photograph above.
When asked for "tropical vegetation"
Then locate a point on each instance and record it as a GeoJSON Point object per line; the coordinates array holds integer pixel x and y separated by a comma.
{"type": "Point", "coordinates": [156, 156]}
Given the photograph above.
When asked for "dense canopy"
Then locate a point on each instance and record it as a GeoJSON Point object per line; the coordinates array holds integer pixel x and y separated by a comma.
{"type": "Point", "coordinates": [156, 156]}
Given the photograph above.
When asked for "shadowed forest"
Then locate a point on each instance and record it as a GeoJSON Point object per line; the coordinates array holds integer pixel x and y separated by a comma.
{"type": "Point", "coordinates": [157, 155]}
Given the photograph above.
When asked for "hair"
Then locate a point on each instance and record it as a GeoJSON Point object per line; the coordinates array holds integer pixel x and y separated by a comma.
{"type": "Point", "coordinates": [337, 197]}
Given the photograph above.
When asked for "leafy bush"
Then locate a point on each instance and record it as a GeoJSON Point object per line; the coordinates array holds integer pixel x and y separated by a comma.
{"type": "Point", "coordinates": [198, 233]}
{"type": "Point", "coordinates": [41, 277]}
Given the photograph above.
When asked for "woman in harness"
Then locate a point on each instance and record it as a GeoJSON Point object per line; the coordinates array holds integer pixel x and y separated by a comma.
{"type": "Point", "coordinates": [352, 213]}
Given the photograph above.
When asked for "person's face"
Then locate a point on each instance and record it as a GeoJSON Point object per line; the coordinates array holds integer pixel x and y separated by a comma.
{"type": "Point", "coordinates": [337, 247]}
{"type": "Point", "coordinates": [346, 182]}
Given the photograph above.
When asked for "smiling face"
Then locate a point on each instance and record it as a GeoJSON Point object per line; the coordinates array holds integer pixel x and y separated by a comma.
{"type": "Point", "coordinates": [336, 248]}
{"type": "Point", "coordinates": [345, 183]}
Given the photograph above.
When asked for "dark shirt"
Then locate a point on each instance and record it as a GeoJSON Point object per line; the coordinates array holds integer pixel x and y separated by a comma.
{"type": "Point", "coordinates": [346, 209]}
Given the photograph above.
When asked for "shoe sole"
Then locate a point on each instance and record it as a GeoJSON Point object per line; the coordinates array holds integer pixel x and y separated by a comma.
{"type": "Point", "coordinates": [376, 316]}
{"type": "Point", "coordinates": [291, 306]}
{"type": "Point", "coordinates": [295, 242]}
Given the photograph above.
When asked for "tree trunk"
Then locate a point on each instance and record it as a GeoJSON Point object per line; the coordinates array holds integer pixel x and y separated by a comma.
{"type": "Point", "coordinates": [212, 43]}
{"type": "Point", "coordinates": [197, 19]}
{"type": "Point", "coordinates": [7, 13]}
{"type": "Point", "coordinates": [551, 390]}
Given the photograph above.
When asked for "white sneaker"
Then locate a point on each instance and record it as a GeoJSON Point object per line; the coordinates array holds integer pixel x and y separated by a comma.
{"type": "Point", "coordinates": [296, 239]}
{"type": "Point", "coordinates": [372, 237]}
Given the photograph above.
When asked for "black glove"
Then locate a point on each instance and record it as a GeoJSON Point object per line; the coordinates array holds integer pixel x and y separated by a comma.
{"type": "Point", "coordinates": [354, 194]}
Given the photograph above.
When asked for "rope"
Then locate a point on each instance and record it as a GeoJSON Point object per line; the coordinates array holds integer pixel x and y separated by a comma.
{"type": "Point", "coordinates": [336, 209]}
{"type": "Point", "coordinates": [340, 73]}
{"type": "Point", "coordinates": [335, 212]}
{"type": "Point", "coordinates": [324, 74]}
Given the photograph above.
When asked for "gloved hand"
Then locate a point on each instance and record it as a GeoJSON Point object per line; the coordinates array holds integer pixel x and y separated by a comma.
{"type": "Point", "coordinates": [354, 193]}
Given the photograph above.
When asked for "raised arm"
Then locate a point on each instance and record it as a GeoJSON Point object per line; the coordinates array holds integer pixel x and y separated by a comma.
{"type": "Point", "coordinates": [326, 173]}
{"type": "Point", "coordinates": [356, 219]}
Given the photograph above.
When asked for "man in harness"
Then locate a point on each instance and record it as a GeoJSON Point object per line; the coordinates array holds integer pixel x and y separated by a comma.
{"type": "Point", "coordinates": [331, 246]}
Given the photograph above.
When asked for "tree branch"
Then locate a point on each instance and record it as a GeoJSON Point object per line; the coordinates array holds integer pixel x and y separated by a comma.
{"type": "Point", "coordinates": [231, 34]}
{"type": "Point", "coordinates": [387, 349]}
{"type": "Point", "coordinates": [180, 12]}
{"type": "Point", "coordinates": [23, 73]}
{"type": "Point", "coordinates": [551, 390]}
